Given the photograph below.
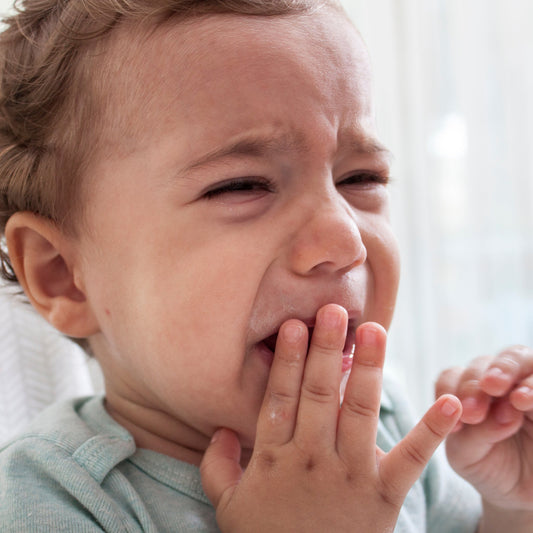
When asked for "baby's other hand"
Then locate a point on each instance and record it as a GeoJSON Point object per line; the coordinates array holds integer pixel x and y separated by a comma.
{"type": "Point", "coordinates": [316, 467]}
{"type": "Point", "coordinates": [492, 446]}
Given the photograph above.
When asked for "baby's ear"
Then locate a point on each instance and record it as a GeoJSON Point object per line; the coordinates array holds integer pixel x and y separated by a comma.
{"type": "Point", "coordinates": [46, 264]}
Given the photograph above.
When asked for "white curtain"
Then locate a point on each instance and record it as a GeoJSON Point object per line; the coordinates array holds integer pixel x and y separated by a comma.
{"type": "Point", "coordinates": [454, 86]}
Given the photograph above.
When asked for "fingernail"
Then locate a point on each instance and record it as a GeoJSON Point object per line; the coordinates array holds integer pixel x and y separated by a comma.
{"type": "Point", "coordinates": [216, 436]}
{"type": "Point", "coordinates": [331, 318]}
{"type": "Point", "coordinates": [496, 373]}
{"type": "Point", "coordinates": [448, 408]}
{"type": "Point", "coordinates": [293, 332]}
{"type": "Point", "coordinates": [469, 404]}
{"type": "Point", "coordinates": [368, 336]}
{"type": "Point", "coordinates": [524, 390]}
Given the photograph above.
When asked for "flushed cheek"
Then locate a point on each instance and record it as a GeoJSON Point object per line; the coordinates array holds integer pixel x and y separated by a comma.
{"type": "Point", "coordinates": [384, 265]}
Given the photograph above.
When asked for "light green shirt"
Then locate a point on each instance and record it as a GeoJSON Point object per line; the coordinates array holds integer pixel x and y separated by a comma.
{"type": "Point", "coordinates": [76, 470]}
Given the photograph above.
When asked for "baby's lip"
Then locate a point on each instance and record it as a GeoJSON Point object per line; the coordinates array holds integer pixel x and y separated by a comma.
{"type": "Point", "coordinates": [354, 317]}
{"type": "Point", "coordinates": [348, 350]}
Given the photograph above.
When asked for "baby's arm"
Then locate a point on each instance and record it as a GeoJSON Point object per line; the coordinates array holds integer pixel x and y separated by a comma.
{"type": "Point", "coordinates": [492, 446]}
{"type": "Point", "coordinates": [315, 467]}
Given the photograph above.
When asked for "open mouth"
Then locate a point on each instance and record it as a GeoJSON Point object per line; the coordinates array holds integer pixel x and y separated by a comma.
{"type": "Point", "coordinates": [270, 342]}
{"type": "Point", "coordinates": [347, 352]}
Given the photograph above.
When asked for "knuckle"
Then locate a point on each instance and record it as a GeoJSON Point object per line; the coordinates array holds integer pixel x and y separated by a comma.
{"type": "Point", "coordinates": [469, 385]}
{"type": "Point", "coordinates": [413, 455]}
{"type": "Point", "coordinates": [519, 350]}
{"type": "Point", "coordinates": [319, 392]}
{"type": "Point", "coordinates": [508, 361]}
{"type": "Point", "coordinates": [276, 415]}
{"type": "Point", "coordinates": [354, 406]}
{"type": "Point", "coordinates": [279, 396]}
{"type": "Point", "coordinates": [370, 363]}
{"type": "Point", "coordinates": [289, 358]}
{"type": "Point", "coordinates": [325, 346]}
{"type": "Point", "coordinates": [391, 493]}
{"type": "Point", "coordinates": [434, 430]}
{"type": "Point", "coordinates": [265, 460]}
{"type": "Point", "coordinates": [514, 360]}
{"type": "Point", "coordinates": [305, 459]}
{"type": "Point", "coordinates": [310, 465]}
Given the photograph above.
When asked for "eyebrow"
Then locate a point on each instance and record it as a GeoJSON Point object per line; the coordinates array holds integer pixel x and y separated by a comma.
{"type": "Point", "coordinates": [368, 145]}
{"type": "Point", "coordinates": [258, 146]}
{"type": "Point", "coordinates": [253, 146]}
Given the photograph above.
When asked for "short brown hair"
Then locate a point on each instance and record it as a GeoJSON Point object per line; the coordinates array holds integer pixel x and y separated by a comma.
{"type": "Point", "coordinates": [48, 119]}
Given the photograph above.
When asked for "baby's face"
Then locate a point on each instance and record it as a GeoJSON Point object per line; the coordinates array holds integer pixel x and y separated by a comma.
{"type": "Point", "coordinates": [251, 190]}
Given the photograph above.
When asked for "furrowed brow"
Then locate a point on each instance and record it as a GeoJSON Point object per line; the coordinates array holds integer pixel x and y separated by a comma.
{"type": "Point", "coordinates": [368, 145]}
{"type": "Point", "coordinates": [253, 146]}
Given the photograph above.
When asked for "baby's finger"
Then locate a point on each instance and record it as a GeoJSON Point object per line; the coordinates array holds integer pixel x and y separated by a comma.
{"type": "Point", "coordinates": [506, 370]}
{"type": "Point", "coordinates": [521, 397]}
{"type": "Point", "coordinates": [404, 464]}
{"type": "Point", "coordinates": [356, 435]}
{"type": "Point", "coordinates": [448, 381]}
{"type": "Point", "coordinates": [319, 400]}
{"type": "Point", "coordinates": [220, 469]}
{"type": "Point", "coordinates": [475, 401]}
{"type": "Point", "coordinates": [474, 442]}
{"type": "Point", "coordinates": [275, 425]}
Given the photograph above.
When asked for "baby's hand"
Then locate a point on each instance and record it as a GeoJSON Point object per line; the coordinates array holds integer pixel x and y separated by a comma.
{"type": "Point", "coordinates": [315, 467]}
{"type": "Point", "coordinates": [492, 446]}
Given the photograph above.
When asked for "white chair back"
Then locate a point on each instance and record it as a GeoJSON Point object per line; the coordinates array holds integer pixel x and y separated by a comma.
{"type": "Point", "coordinates": [38, 366]}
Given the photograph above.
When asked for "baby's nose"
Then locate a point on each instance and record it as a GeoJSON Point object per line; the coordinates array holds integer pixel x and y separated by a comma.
{"type": "Point", "coordinates": [328, 240]}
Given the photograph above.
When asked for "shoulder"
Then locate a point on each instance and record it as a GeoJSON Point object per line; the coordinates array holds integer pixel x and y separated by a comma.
{"type": "Point", "coordinates": [77, 431]}
{"type": "Point", "coordinates": [67, 429]}
{"type": "Point", "coordinates": [56, 465]}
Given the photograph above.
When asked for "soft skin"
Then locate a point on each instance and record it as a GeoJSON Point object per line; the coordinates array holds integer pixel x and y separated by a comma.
{"type": "Point", "coordinates": [185, 279]}
{"type": "Point", "coordinates": [315, 467]}
{"type": "Point", "coordinates": [232, 199]}
{"type": "Point", "coordinates": [492, 446]}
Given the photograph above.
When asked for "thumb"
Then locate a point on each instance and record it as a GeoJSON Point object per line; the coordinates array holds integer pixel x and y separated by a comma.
{"type": "Point", "coordinates": [220, 469]}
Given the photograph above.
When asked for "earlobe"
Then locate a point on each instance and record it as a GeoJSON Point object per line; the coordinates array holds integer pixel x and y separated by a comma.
{"type": "Point", "coordinates": [43, 258]}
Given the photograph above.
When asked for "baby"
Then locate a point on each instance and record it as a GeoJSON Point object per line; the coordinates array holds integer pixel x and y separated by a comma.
{"type": "Point", "coordinates": [195, 190]}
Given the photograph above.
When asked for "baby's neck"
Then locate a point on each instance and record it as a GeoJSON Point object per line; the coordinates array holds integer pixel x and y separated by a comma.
{"type": "Point", "coordinates": [158, 431]}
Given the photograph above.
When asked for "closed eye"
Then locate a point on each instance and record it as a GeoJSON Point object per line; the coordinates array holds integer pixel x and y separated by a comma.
{"type": "Point", "coordinates": [239, 186]}
{"type": "Point", "coordinates": [365, 178]}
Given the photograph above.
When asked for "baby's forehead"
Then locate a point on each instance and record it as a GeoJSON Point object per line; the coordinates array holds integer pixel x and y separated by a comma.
{"type": "Point", "coordinates": [149, 67]}
{"type": "Point", "coordinates": [151, 70]}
